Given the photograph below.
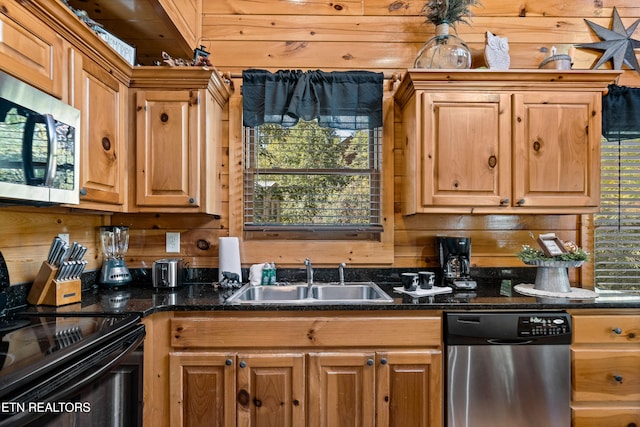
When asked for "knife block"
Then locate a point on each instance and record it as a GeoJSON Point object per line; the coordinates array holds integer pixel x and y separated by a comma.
{"type": "Point", "coordinates": [46, 290]}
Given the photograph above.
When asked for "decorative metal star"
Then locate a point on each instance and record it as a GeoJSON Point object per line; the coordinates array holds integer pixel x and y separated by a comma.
{"type": "Point", "coordinates": [616, 43]}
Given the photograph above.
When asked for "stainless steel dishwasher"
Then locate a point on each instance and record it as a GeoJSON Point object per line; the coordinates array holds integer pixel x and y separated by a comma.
{"type": "Point", "coordinates": [508, 369]}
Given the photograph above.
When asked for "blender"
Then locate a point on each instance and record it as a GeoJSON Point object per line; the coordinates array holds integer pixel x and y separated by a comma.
{"type": "Point", "coordinates": [115, 242]}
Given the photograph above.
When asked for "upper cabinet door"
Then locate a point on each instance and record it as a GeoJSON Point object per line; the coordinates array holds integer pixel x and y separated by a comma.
{"type": "Point", "coordinates": [102, 100]}
{"type": "Point", "coordinates": [556, 149]}
{"type": "Point", "coordinates": [466, 149]}
{"type": "Point", "coordinates": [30, 49]}
{"type": "Point", "coordinates": [168, 160]}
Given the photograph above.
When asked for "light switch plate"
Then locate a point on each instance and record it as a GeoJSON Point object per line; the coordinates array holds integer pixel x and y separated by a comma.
{"type": "Point", "coordinates": [173, 242]}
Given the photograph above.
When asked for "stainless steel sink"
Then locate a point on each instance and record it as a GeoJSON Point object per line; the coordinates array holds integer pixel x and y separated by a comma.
{"type": "Point", "coordinates": [321, 293]}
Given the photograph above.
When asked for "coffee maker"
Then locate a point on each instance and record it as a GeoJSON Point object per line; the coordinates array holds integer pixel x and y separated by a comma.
{"type": "Point", "coordinates": [455, 254]}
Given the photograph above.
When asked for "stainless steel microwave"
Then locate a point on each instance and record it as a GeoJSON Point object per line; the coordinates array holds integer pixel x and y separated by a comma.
{"type": "Point", "coordinates": [39, 146]}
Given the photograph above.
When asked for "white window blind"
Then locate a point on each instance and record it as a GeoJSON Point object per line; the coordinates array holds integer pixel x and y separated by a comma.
{"type": "Point", "coordinates": [617, 226]}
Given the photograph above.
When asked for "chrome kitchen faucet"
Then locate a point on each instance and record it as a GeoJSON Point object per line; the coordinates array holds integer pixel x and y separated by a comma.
{"type": "Point", "coordinates": [307, 262]}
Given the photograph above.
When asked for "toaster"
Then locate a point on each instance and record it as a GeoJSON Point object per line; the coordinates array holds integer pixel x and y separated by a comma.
{"type": "Point", "coordinates": [167, 273]}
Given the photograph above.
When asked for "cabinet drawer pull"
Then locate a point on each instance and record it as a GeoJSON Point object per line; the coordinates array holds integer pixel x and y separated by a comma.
{"type": "Point", "coordinates": [617, 331]}
{"type": "Point", "coordinates": [618, 378]}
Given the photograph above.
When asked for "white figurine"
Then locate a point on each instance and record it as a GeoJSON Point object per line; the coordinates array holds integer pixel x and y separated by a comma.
{"type": "Point", "coordinates": [496, 52]}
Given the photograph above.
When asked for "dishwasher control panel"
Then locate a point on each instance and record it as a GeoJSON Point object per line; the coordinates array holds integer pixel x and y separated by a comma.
{"type": "Point", "coordinates": [543, 325]}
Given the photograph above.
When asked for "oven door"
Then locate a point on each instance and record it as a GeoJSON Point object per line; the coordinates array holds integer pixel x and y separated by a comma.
{"type": "Point", "coordinates": [114, 399]}
{"type": "Point", "coordinates": [98, 382]}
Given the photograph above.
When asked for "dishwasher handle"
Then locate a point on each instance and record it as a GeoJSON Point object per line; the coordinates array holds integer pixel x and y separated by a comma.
{"type": "Point", "coordinates": [509, 342]}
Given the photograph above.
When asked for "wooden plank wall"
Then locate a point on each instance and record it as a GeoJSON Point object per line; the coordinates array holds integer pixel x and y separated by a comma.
{"type": "Point", "coordinates": [377, 35]}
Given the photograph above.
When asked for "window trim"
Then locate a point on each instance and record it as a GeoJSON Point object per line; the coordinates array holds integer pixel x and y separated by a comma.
{"type": "Point", "coordinates": [291, 251]}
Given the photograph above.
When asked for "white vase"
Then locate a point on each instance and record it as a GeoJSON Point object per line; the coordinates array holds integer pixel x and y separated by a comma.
{"type": "Point", "coordinates": [444, 51]}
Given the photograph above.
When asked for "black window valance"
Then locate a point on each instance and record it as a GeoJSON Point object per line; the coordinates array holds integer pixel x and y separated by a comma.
{"type": "Point", "coordinates": [338, 99]}
{"type": "Point", "coordinates": [621, 113]}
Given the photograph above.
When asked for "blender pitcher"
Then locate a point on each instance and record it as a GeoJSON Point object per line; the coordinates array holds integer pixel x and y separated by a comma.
{"type": "Point", "coordinates": [115, 242]}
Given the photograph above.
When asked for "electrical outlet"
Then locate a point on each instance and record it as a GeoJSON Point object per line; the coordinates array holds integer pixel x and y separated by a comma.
{"type": "Point", "coordinates": [173, 242]}
{"type": "Point", "coordinates": [64, 236]}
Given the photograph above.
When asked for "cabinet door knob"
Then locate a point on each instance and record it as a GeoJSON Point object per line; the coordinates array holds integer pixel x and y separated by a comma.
{"type": "Point", "coordinates": [383, 361]}
{"type": "Point", "coordinates": [243, 364]}
{"type": "Point", "coordinates": [493, 161]}
{"type": "Point", "coordinates": [617, 331]}
{"type": "Point", "coordinates": [520, 202]}
{"type": "Point", "coordinates": [228, 362]}
{"type": "Point", "coordinates": [369, 362]}
{"type": "Point", "coordinates": [536, 145]}
{"type": "Point", "coordinates": [257, 402]}
{"type": "Point", "coordinates": [192, 200]}
{"type": "Point", "coordinates": [504, 202]}
{"type": "Point", "coordinates": [83, 191]}
{"type": "Point", "coordinates": [618, 378]}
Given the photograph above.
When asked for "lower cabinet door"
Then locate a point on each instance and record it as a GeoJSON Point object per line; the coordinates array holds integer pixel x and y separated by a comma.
{"type": "Point", "coordinates": [409, 388]}
{"type": "Point", "coordinates": [341, 389]}
{"type": "Point", "coordinates": [202, 389]}
{"type": "Point", "coordinates": [270, 390]}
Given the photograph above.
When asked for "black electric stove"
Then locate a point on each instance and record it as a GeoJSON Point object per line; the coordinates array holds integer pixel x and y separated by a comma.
{"type": "Point", "coordinates": [45, 359]}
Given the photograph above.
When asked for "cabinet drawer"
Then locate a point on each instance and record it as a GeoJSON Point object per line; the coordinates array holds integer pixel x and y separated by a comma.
{"type": "Point", "coordinates": [606, 375]}
{"type": "Point", "coordinates": [311, 332]}
{"type": "Point", "coordinates": [610, 416]}
{"type": "Point", "coordinates": [603, 329]}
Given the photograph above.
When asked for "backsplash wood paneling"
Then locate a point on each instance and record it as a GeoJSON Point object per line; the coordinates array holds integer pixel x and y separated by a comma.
{"type": "Point", "coordinates": [385, 35]}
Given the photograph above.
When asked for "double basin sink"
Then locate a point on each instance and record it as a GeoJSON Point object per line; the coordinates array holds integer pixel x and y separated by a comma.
{"type": "Point", "coordinates": [302, 293]}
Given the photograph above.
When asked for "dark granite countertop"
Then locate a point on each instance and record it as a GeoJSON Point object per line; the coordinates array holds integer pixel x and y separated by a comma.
{"type": "Point", "coordinates": [146, 300]}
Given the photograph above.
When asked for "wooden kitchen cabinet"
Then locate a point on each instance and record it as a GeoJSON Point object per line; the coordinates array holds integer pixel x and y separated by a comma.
{"type": "Point", "coordinates": [102, 100]}
{"type": "Point", "coordinates": [382, 388]}
{"type": "Point", "coordinates": [501, 142]}
{"type": "Point", "coordinates": [31, 50]}
{"type": "Point", "coordinates": [237, 389]}
{"type": "Point", "coordinates": [291, 369]}
{"type": "Point", "coordinates": [178, 139]}
{"type": "Point", "coordinates": [341, 389]}
{"type": "Point", "coordinates": [606, 370]}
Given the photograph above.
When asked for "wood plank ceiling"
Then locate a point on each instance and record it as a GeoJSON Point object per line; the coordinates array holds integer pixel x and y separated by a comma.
{"type": "Point", "coordinates": [141, 23]}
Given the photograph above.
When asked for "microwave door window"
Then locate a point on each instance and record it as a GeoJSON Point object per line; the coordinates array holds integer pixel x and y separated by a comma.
{"type": "Point", "coordinates": [12, 127]}
{"type": "Point", "coordinates": [39, 150]}
{"type": "Point", "coordinates": [65, 159]}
